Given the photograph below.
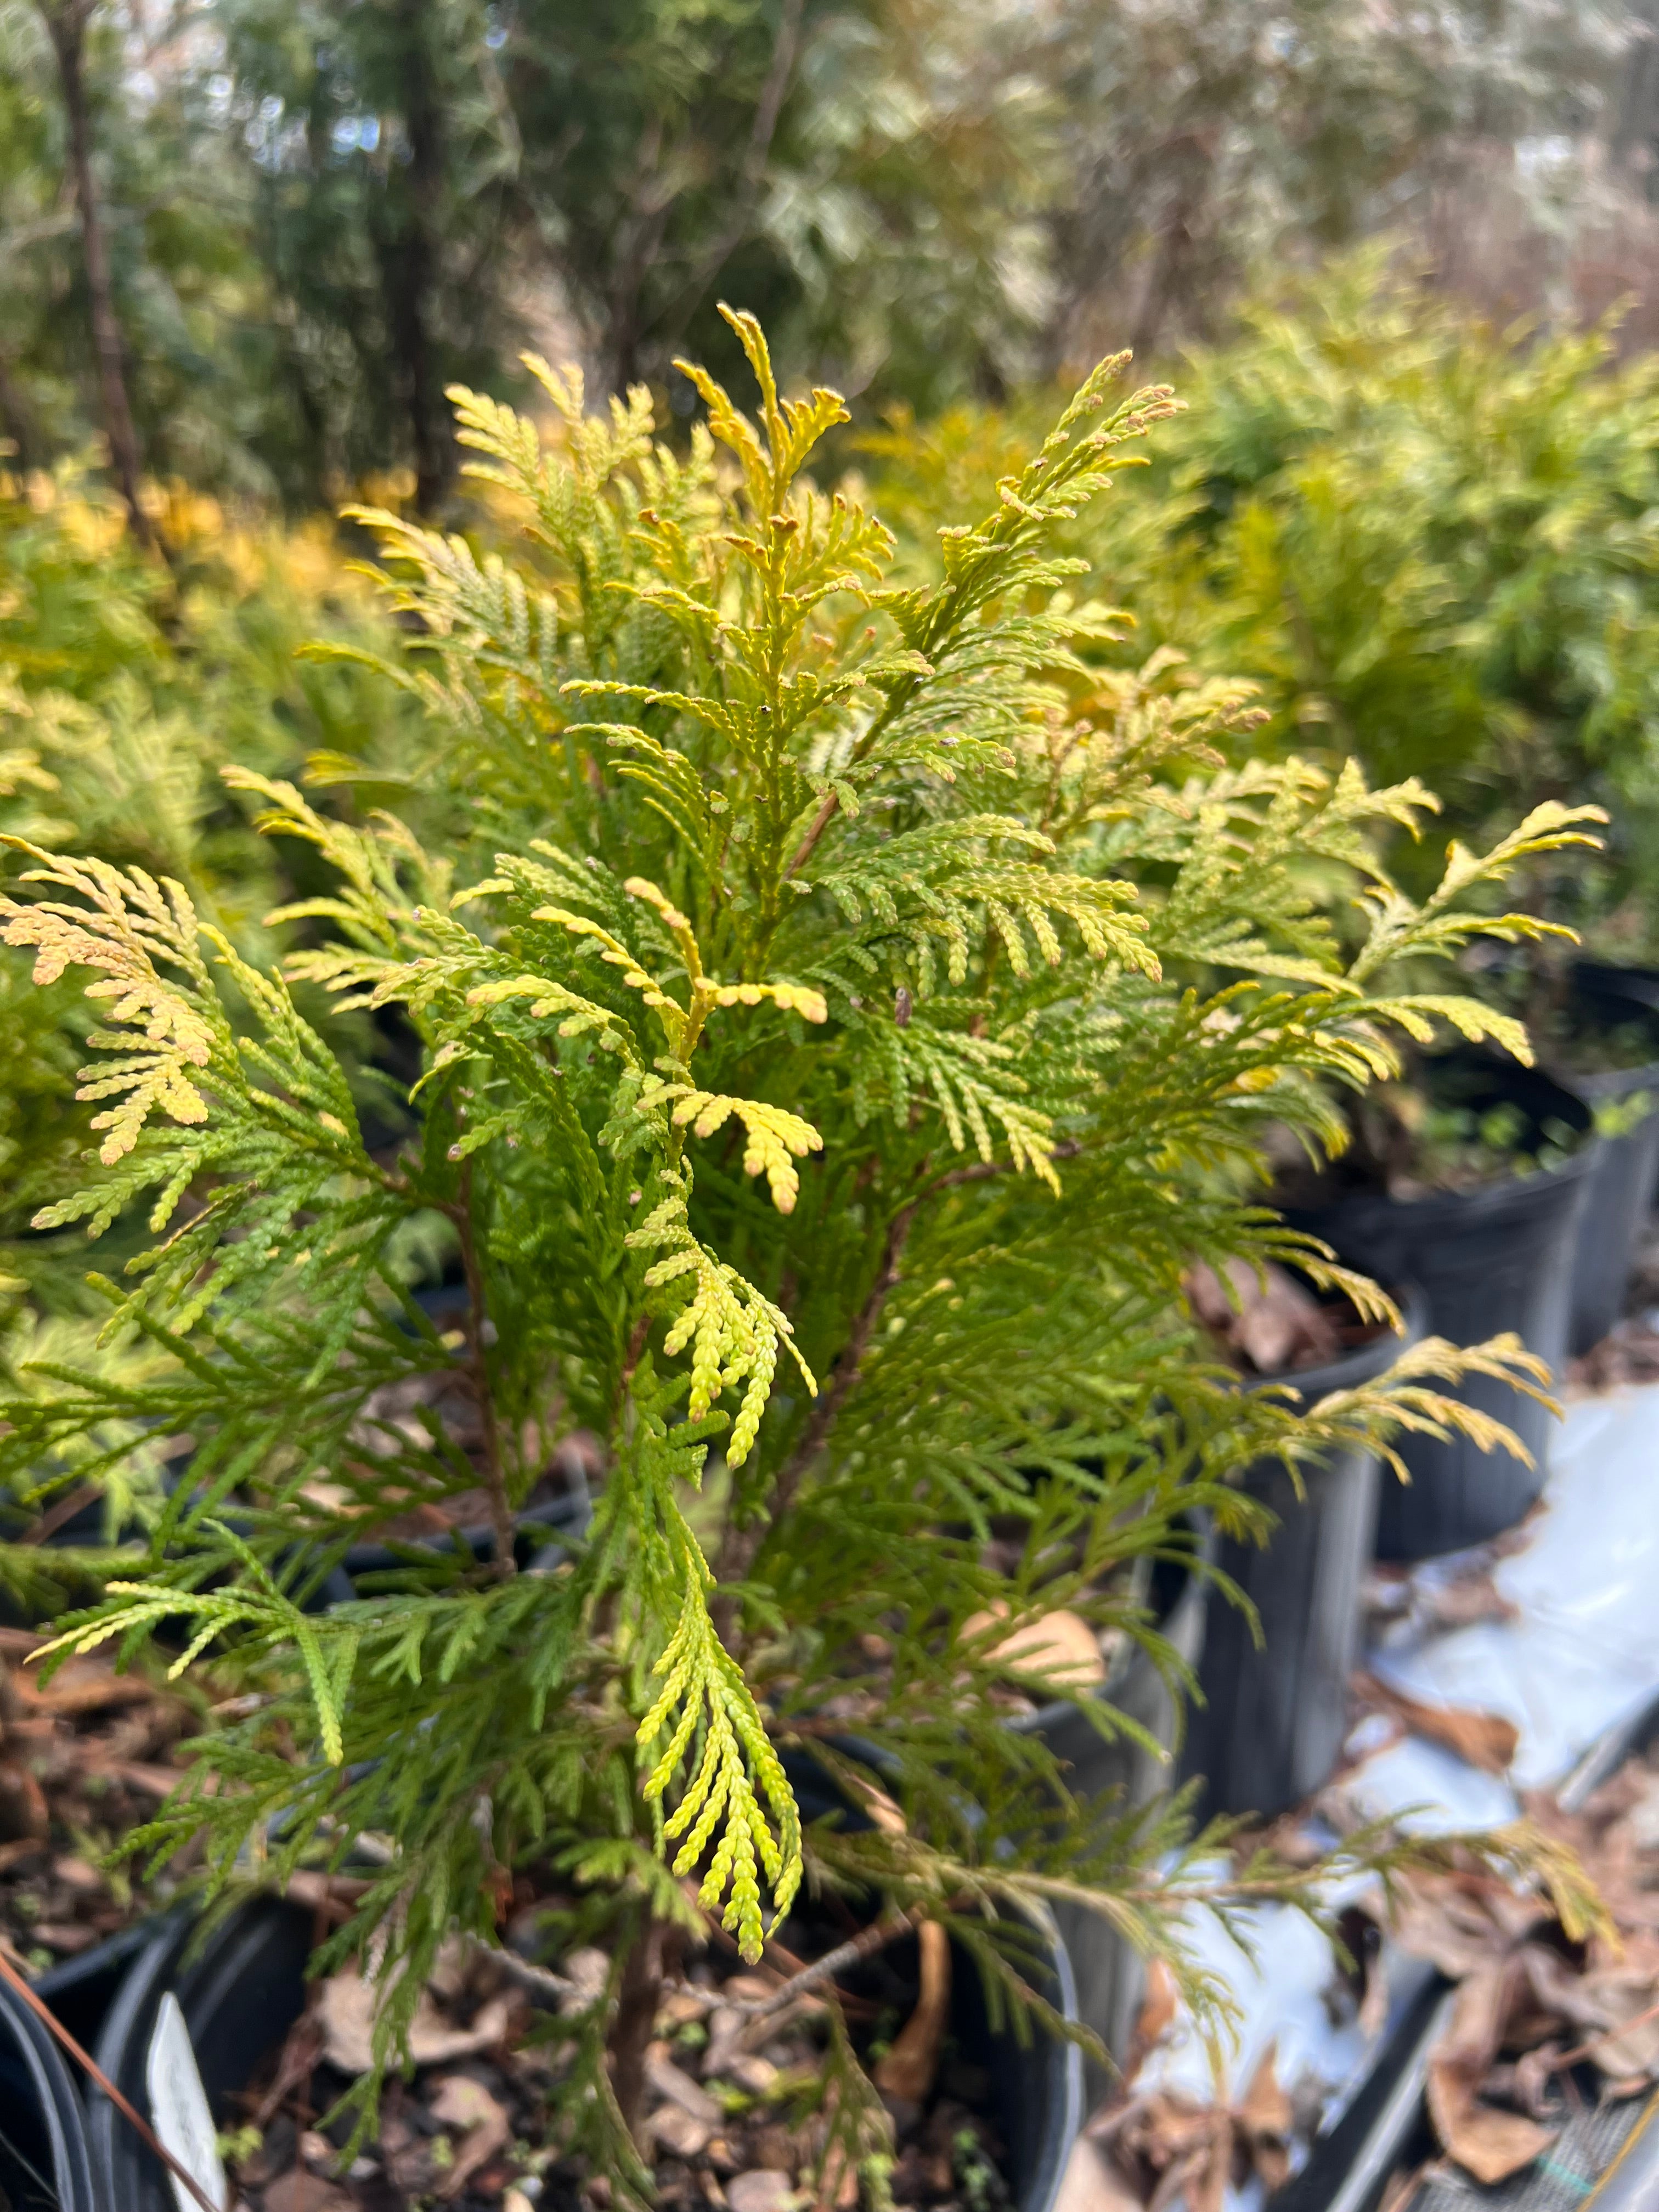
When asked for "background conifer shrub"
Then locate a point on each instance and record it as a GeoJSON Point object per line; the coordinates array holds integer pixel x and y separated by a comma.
{"type": "Point", "coordinates": [842, 1013]}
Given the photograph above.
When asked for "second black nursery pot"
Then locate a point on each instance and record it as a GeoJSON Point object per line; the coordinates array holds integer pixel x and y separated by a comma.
{"type": "Point", "coordinates": [1487, 1260]}
{"type": "Point", "coordinates": [1271, 1716]}
{"type": "Point", "coordinates": [239, 1995]}
{"type": "Point", "coordinates": [44, 2161]}
{"type": "Point", "coordinates": [1493, 1260]}
{"type": "Point", "coordinates": [1120, 1772]}
{"type": "Point", "coordinates": [244, 1987]}
{"type": "Point", "coordinates": [1616, 1206]}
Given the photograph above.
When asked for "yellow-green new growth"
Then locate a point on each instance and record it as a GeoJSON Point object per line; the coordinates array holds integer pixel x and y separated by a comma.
{"type": "Point", "coordinates": [887, 892]}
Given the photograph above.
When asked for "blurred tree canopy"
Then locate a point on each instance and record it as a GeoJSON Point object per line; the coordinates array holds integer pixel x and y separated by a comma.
{"type": "Point", "coordinates": [316, 214]}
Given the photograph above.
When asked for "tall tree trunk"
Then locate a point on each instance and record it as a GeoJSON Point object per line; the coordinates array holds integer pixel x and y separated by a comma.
{"type": "Point", "coordinates": [17, 419]}
{"type": "Point", "coordinates": [66, 24]}
{"type": "Point", "coordinates": [409, 264]}
{"type": "Point", "coordinates": [1636, 111]}
{"type": "Point", "coordinates": [1176, 240]}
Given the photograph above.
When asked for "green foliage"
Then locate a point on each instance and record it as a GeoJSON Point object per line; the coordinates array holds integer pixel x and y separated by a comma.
{"type": "Point", "coordinates": [123, 689]}
{"type": "Point", "coordinates": [319, 213]}
{"type": "Point", "coordinates": [844, 1015]}
{"type": "Point", "coordinates": [1431, 543]}
{"type": "Point", "coordinates": [1428, 545]}
{"type": "Point", "coordinates": [1203, 142]}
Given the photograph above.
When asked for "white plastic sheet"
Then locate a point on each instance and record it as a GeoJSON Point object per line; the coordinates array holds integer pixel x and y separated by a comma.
{"type": "Point", "coordinates": [1427, 1791]}
{"type": "Point", "coordinates": [1581, 1655]}
{"type": "Point", "coordinates": [1281, 1974]}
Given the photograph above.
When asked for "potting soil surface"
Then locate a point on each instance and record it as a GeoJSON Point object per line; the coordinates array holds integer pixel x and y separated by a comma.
{"type": "Point", "coordinates": [728, 2102]}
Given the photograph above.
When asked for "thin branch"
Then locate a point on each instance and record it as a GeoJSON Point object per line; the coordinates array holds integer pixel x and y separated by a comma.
{"type": "Point", "coordinates": [1620, 2028]}
{"type": "Point", "coordinates": [636, 1343]}
{"type": "Point", "coordinates": [779, 1954]}
{"type": "Point", "coordinates": [540, 1983]}
{"type": "Point", "coordinates": [85, 1493]}
{"type": "Point", "coordinates": [66, 27]}
{"type": "Point", "coordinates": [864, 1945]}
{"type": "Point", "coordinates": [816, 829]}
{"type": "Point", "coordinates": [24, 235]}
{"type": "Point", "coordinates": [737, 1553]}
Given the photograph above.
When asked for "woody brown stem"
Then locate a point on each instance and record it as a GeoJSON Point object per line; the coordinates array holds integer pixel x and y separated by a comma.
{"type": "Point", "coordinates": [864, 1945]}
{"type": "Point", "coordinates": [816, 829]}
{"type": "Point", "coordinates": [737, 1553]}
{"type": "Point", "coordinates": [642, 1330]}
{"type": "Point", "coordinates": [500, 1511]}
{"type": "Point", "coordinates": [631, 2030]}
{"type": "Point", "coordinates": [779, 1957]}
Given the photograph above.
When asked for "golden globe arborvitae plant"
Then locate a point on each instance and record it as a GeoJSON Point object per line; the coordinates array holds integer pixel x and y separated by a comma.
{"type": "Point", "coordinates": [866, 1012]}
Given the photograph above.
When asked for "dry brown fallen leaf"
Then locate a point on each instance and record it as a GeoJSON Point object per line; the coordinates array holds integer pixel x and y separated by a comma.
{"type": "Point", "coordinates": [1092, 2183]}
{"type": "Point", "coordinates": [760, 2190]}
{"type": "Point", "coordinates": [905, 2070]}
{"type": "Point", "coordinates": [836, 2189]}
{"type": "Point", "coordinates": [462, 2103]}
{"type": "Point", "coordinates": [1460, 1922]}
{"type": "Point", "coordinates": [81, 1686]}
{"type": "Point", "coordinates": [1158, 2007]}
{"type": "Point", "coordinates": [1168, 2148]}
{"type": "Point", "coordinates": [346, 2007]}
{"type": "Point", "coordinates": [1629, 1354]}
{"type": "Point", "coordinates": [1201, 2172]}
{"type": "Point", "coordinates": [677, 2087]}
{"type": "Point", "coordinates": [1489, 2143]}
{"type": "Point", "coordinates": [1486, 1741]}
{"type": "Point", "coordinates": [297, 2191]}
{"type": "Point", "coordinates": [1264, 2120]}
{"type": "Point", "coordinates": [1059, 1646]}
{"type": "Point", "coordinates": [676, 2132]}
{"type": "Point", "coordinates": [1268, 1316]}
{"type": "Point", "coordinates": [149, 1780]}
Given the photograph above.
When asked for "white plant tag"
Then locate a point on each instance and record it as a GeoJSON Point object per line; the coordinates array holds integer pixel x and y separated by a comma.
{"type": "Point", "coordinates": [179, 2108]}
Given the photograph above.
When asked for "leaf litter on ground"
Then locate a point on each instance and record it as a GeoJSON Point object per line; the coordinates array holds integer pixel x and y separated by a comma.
{"type": "Point", "coordinates": [84, 1759]}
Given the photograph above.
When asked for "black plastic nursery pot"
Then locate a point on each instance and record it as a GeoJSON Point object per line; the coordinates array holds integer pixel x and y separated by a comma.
{"type": "Point", "coordinates": [1271, 1719]}
{"type": "Point", "coordinates": [1033, 2099]}
{"type": "Point", "coordinates": [1487, 1261]}
{"type": "Point", "coordinates": [1616, 1205]}
{"type": "Point", "coordinates": [1494, 1259]}
{"type": "Point", "coordinates": [45, 2162]}
{"type": "Point", "coordinates": [239, 1995]}
{"type": "Point", "coordinates": [1610, 999]}
{"type": "Point", "coordinates": [1120, 1772]}
{"type": "Point", "coordinates": [1614, 992]}
{"type": "Point", "coordinates": [244, 1989]}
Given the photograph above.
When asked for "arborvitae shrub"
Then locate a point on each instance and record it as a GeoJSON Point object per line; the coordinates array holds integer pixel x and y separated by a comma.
{"type": "Point", "coordinates": [867, 1012]}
